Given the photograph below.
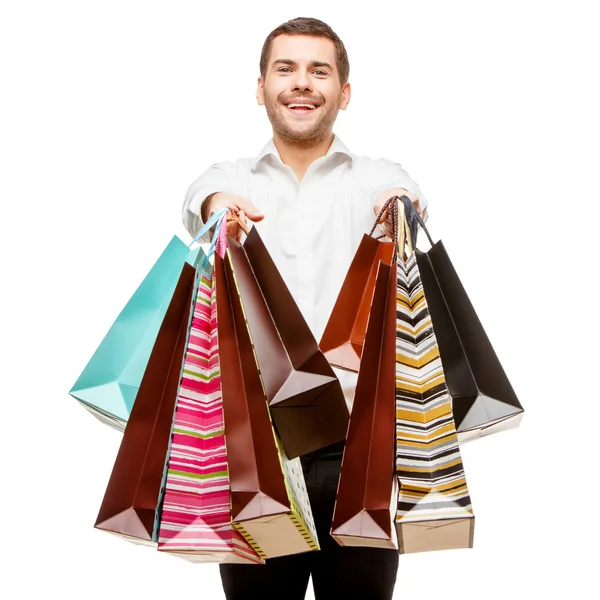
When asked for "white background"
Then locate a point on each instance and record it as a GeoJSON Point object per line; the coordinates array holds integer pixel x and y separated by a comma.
{"type": "Point", "coordinates": [109, 110]}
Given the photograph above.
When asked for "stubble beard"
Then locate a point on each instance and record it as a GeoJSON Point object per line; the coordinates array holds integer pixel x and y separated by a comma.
{"type": "Point", "coordinates": [305, 138]}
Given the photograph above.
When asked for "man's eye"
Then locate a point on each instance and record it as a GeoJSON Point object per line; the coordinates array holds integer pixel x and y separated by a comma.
{"type": "Point", "coordinates": [319, 72]}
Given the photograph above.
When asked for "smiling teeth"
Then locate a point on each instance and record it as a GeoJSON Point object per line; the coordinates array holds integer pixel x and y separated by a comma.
{"type": "Point", "coordinates": [311, 106]}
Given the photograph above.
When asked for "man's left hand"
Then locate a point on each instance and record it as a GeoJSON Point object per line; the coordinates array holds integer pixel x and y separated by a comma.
{"type": "Point", "coordinates": [386, 216]}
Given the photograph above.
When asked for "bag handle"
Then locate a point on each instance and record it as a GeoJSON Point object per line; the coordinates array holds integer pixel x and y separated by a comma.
{"type": "Point", "coordinates": [402, 234]}
{"type": "Point", "coordinates": [219, 243]}
{"type": "Point", "coordinates": [214, 218]}
{"type": "Point", "coordinates": [413, 213]}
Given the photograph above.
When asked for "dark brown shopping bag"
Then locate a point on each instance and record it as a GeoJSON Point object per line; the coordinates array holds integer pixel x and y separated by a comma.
{"type": "Point", "coordinates": [269, 503]}
{"type": "Point", "coordinates": [305, 397]}
{"type": "Point", "coordinates": [367, 492]}
{"type": "Point", "coordinates": [131, 500]}
{"type": "Point", "coordinates": [344, 336]}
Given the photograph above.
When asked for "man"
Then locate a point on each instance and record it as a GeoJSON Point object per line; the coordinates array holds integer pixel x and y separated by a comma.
{"type": "Point", "coordinates": [312, 201]}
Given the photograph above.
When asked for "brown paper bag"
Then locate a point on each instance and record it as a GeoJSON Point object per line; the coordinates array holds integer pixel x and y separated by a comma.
{"type": "Point", "coordinates": [131, 500]}
{"type": "Point", "coordinates": [305, 397]}
{"type": "Point", "coordinates": [269, 503]}
{"type": "Point", "coordinates": [344, 336]}
{"type": "Point", "coordinates": [367, 492]}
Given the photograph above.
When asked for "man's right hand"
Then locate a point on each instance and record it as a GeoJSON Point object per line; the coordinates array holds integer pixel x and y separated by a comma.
{"type": "Point", "coordinates": [242, 207]}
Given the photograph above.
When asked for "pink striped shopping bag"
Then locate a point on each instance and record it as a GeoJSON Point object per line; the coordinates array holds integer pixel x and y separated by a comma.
{"type": "Point", "coordinates": [196, 514]}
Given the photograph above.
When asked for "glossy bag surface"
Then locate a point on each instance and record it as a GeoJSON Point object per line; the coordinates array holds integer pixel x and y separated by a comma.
{"type": "Point", "coordinates": [483, 399]}
{"type": "Point", "coordinates": [109, 383]}
{"type": "Point", "coordinates": [195, 520]}
{"type": "Point", "coordinates": [132, 498]}
{"type": "Point", "coordinates": [344, 336]}
{"type": "Point", "coordinates": [367, 493]}
{"type": "Point", "coordinates": [305, 397]}
{"type": "Point", "coordinates": [269, 502]}
{"type": "Point", "coordinates": [434, 509]}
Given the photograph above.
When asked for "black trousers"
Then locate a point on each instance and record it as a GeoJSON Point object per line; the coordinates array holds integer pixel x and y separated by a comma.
{"type": "Point", "coordinates": [337, 571]}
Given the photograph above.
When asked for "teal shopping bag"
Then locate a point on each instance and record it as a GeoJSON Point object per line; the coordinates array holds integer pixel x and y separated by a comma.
{"type": "Point", "coordinates": [109, 383]}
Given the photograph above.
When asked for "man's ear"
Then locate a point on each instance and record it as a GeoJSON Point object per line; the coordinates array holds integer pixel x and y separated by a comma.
{"type": "Point", "coordinates": [260, 94]}
{"type": "Point", "coordinates": [346, 90]}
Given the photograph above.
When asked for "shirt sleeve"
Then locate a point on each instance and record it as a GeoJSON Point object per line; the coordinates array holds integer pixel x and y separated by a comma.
{"type": "Point", "coordinates": [388, 174]}
{"type": "Point", "coordinates": [219, 177]}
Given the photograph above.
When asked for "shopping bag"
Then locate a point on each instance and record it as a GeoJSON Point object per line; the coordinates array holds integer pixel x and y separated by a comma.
{"type": "Point", "coordinates": [109, 383]}
{"type": "Point", "coordinates": [344, 335]}
{"type": "Point", "coordinates": [305, 397]}
{"type": "Point", "coordinates": [269, 502]}
{"type": "Point", "coordinates": [483, 399]}
{"type": "Point", "coordinates": [367, 493]}
{"type": "Point", "coordinates": [196, 512]}
{"type": "Point", "coordinates": [132, 498]}
{"type": "Point", "coordinates": [434, 508]}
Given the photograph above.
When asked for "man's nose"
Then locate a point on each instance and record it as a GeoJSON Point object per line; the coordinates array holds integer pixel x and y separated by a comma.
{"type": "Point", "coordinates": [301, 81]}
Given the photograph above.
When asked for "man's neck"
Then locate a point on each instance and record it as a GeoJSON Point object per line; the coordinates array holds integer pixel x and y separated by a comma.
{"type": "Point", "coordinates": [300, 155]}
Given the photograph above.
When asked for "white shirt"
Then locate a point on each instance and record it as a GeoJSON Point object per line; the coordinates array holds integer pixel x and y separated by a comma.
{"type": "Point", "coordinates": [311, 228]}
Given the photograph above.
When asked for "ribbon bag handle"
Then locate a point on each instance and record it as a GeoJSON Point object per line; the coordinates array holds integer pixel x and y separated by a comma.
{"type": "Point", "coordinates": [405, 217]}
{"type": "Point", "coordinates": [219, 239]}
{"type": "Point", "coordinates": [400, 232]}
{"type": "Point", "coordinates": [219, 242]}
{"type": "Point", "coordinates": [413, 214]}
{"type": "Point", "coordinates": [215, 218]}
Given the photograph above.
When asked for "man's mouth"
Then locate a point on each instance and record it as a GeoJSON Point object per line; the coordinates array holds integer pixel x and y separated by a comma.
{"type": "Point", "coordinates": [301, 107]}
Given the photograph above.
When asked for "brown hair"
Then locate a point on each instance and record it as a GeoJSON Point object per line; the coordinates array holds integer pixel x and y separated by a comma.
{"type": "Point", "coordinates": [308, 26]}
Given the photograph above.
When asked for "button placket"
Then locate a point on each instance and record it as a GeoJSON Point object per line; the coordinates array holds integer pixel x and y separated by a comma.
{"type": "Point", "coordinates": [305, 276]}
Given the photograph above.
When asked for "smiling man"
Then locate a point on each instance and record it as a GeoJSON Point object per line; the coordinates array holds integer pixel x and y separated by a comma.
{"type": "Point", "coordinates": [311, 200]}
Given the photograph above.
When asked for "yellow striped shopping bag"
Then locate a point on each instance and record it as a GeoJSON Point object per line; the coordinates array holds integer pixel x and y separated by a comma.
{"type": "Point", "coordinates": [434, 508]}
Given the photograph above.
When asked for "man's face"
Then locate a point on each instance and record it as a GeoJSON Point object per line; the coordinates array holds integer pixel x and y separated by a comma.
{"type": "Point", "coordinates": [302, 70]}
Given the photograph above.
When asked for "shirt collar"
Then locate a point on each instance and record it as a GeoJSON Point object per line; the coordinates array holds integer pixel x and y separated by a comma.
{"type": "Point", "coordinates": [337, 147]}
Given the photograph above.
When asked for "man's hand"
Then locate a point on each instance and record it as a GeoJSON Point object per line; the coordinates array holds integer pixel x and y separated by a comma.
{"type": "Point", "coordinates": [242, 207]}
{"type": "Point", "coordinates": [386, 216]}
